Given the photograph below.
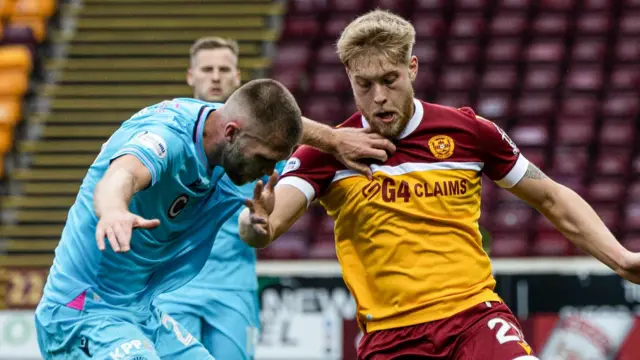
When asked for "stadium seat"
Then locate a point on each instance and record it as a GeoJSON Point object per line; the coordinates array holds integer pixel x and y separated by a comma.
{"type": "Point", "coordinates": [536, 155]}
{"type": "Point", "coordinates": [556, 5]}
{"type": "Point", "coordinates": [329, 80]}
{"type": "Point", "coordinates": [630, 24]}
{"type": "Point", "coordinates": [617, 132]}
{"type": "Point", "coordinates": [399, 7]}
{"type": "Point", "coordinates": [551, 243]}
{"type": "Point", "coordinates": [574, 182]}
{"type": "Point", "coordinates": [621, 105]}
{"type": "Point", "coordinates": [515, 217]}
{"type": "Point", "coordinates": [326, 109]}
{"type": "Point", "coordinates": [545, 51]}
{"type": "Point", "coordinates": [596, 5]}
{"type": "Point", "coordinates": [530, 134]}
{"type": "Point", "coordinates": [13, 35]}
{"type": "Point", "coordinates": [291, 79]}
{"type": "Point", "coordinates": [628, 50]}
{"type": "Point", "coordinates": [426, 51]}
{"type": "Point", "coordinates": [635, 165]}
{"type": "Point", "coordinates": [521, 5]}
{"type": "Point", "coordinates": [14, 82]}
{"type": "Point", "coordinates": [10, 110]}
{"type": "Point", "coordinates": [457, 78]}
{"type": "Point", "coordinates": [36, 24]}
{"type": "Point", "coordinates": [453, 99]}
{"type": "Point", "coordinates": [597, 23]}
{"type": "Point", "coordinates": [327, 54]}
{"type": "Point", "coordinates": [6, 138]}
{"type": "Point", "coordinates": [354, 7]}
{"type": "Point", "coordinates": [605, 190]}
{"type": "Point", "coordinates": [550, 25]}
{"type": "Point", "coordinates": [625, 78]}
{"type": "Point", "coordinates": [286, 247]}
{"type": "Point", "coordinates": [589, 50]}
{"type": "Point", "coordinates": [470, 5]}
{"type": "Point", "coordinates": [424, 80]}
{"type": "Point", "coordinates": [543, 224]}
{"type": "Point", "coordinates": [307, 6]}
{"type": "Point", "coordinates": [633, 194]}
{"type": "Point", "coordinates": [301, 27]}
{"type": "Point", "coordinates": [323, 246]}
{"type": "Point", "coordinates": [462, 52]}
{"type": "Point", "coordinates": [508, 24]}
{"type": "Point", "coordinates": [632, 4]}
{"type": "Point", "coordinates": [541, 78]}
{"type": "Point", "coordinates": [466, 27]}
{"type": "Point", "coordinates": [632, 216]}
{"type": "Point", "coordinates": [570, 160]}
{"type": "Point", "coordinates": [494, 106]}
{"type": "Point", "coordinates": [334, 26]}
{"type": "Point", "coordinates": [15, 57]}
{"type": "Point", "coordinates": [429, 5]}
{"type": "Point", "coordinates": [612, 161]}
{"type": "Point", "coordinates": [536, 106]}
{"type": "Point", "coordinates": [427, 26]}
{"type": "Point", "coordinates": [584, 79]}
{"type": "Point", "coordinates": [580, 106]}
{"type": "Point", "coordinates": [631, 241]}
{"type": "Point", "coordinates": [34, 8]}
{"type": "Point", "coordinates": [503, 50]}
{"type": "Point", "coordinates": [573, 131]}
{"type": "Point", "coordinates": [609, 214]}
{"type": "Point", "coordinates": [508, 244]}
{"type": "Point", "coordinates": [500, 78]}
{"type": "Point", "coordinates": [293, 56]}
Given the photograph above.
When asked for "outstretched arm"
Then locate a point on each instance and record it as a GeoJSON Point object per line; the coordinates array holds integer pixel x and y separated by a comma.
{"type": "Point", "coordinates": [348, 145]}
{"type": "Point", "coordinates": [576, 220]}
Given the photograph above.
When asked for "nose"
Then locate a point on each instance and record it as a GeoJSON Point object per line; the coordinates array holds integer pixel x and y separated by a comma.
{"type": "Point", "coordinates": [215, 76]}
{"type": "Point", "coordinates": [379, 94]}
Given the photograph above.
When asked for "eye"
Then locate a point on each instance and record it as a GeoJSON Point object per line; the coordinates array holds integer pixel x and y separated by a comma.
{"type": "Point", "coordinates": [389, 80]}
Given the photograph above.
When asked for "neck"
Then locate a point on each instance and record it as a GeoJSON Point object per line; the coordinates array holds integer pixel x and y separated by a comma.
{"type": "Point", "coordinates": [211, 137]}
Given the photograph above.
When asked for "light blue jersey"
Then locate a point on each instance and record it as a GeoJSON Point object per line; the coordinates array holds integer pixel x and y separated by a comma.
{"type": "Point", "coordinates": [184, 195]}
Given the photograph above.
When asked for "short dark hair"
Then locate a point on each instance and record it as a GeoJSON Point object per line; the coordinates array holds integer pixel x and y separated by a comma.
{"type": "Point", "coordinates": [271, 103]}
{"type": "Point", "coordinates": [213, 42]}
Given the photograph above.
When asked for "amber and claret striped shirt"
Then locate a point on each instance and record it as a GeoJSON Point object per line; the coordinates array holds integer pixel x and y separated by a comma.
{"type": "Point", "coordinates": [408, 241]}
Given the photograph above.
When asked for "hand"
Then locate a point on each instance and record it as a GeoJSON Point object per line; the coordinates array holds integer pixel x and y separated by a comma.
{"type": "Point", "coordinates": [630, 269]}
{"type": "Point", "coordinates": [262, 204]}
{"type": "Point", "coordinates": [354, 144]}
{"type": "Point", "coordinates": [117, 227]}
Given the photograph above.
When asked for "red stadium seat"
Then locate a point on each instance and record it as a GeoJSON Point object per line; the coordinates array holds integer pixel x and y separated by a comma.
{"type": "Point", "coordinates": [307, 6]}
{"type": "Point", "coordinates": [635, 165]}
{"type": "Point", "coordinates": [424, 81]}
{"type": "Point", "coordinates": [398, 7]}
{"type": "Point", "coordinates": [292, 55]}
{"type": "Point", "coordinates": [589, 50]}
{"type": "Point", "coordinates": [596, 5]}
{"type": "Point", "coordinates": [545, 51]}
{"type": "Point", "coordinates": [612, 161]}
{"type": "Point", "coordinates": [609, 214]}
{"type": "Point", "coordinates": [327, 54]}
{"type": "Point", "coordinates": [508, 24]}
{"type": "Point", "coordinates": [551, 243]}
{"type": "Point", "coordinates": [500, 78]}
{"type": "Point", "coordinates": [632, 216]}
{"type": "Point", "coordinates": [633, 193]}
{"type": "Point", "coordinates": [470, 5]}
{"type": "Point", "coordinates": [581, 106]}
{"type": "Point", "coordinates": [550, 25]}
{"type": "Point", "coordinates": [514, 4]}
{"type": "Point", "coordinates": [621, 105]}
{"type": "Point", "coordinates": [457, 78]}
{"type": "Point", "coordinates": [544, 225]}
{"type": "Point", "coordinates": [575, 132]}
{"type": "Point", "coordinates": [429, 5]}
{"type": "Point", "coordinates": [426, 51]}
{"type": "Point", "coordinates": [541, 78]}
{"type": "Point", "coordinates": [605, 190]}
{"type": "Point", "coordinates": [453, 99]}
{"type": "Point", "coordinates": [632, 241]}
{"type": "Point", "coordinates": [597, 23]}
{"type": "Point", "coordinates": [617, 132]}
{"type": "Point", "coordinates": [511, 217]}
{"type": "Point", "coordinates": [570, 160]}
{"type": "Point", "coordinates": [330, 80]}
{"type": "Point", "coordinates": [508, 244]}
{"type": "Point", "coordinates": [628, 50]}
{"type": "Point", "coordinates": [536, 155]}
{"type": "Point", "coordinates": [428, 26]}
{"type": "Point", "coordinates": [288, 78]}
{"type": "Point", "coordinates": [494, 106]}
{"type": "Point", "coordinates": [505, 50]}
{"type": "Point", "coordinates": [573, 182]}
{"type": "Point", "coordinates": [334, 26]}
{"type": "Point", "coordinates": [536, 106]}
{"type": "Point", "coordinates": [530, 134]}
{"type": "Point", "coordinates": [585, 79]}
{"type": "Point", "coordinates": [630, 24]}
{"type": "Point", "coordinates": [286, 247]}
{"type": "Point", "coordinates": [352, 6]}
{"type": "Point", "coordinates": [327, 109]}
{"type": "Point", "coordinates": [301, 27]}
{"type": "Point", "coordinates": [625, 78]}
{"type": "Point", "coordinates": [632, 4]}
{"type": "Point", "coordinates": [462, 52]}
{"type": "Point", "coordinates": [556, 5]}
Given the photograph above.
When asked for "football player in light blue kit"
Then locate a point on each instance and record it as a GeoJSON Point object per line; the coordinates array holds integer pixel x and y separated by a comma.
{"type": "Point", "coordinates": [155, 193]}
{"type": "Point", "coordinates": [220, 306]}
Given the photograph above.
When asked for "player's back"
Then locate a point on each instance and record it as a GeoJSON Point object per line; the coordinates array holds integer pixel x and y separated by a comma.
{"type": "Point", "coordinates": [167, 139]}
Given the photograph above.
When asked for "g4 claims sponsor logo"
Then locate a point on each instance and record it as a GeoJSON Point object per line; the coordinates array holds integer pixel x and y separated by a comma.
{"type": "Point", "coordinates": [402, 191]}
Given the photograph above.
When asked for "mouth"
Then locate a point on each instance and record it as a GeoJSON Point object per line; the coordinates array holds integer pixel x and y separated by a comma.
{"type": "Point", "coordinates": [215, 91]}
{"type": "Point", "coordinates": [386, 116]}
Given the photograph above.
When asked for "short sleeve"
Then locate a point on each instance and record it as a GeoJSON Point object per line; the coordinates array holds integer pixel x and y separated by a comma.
{"type": "Point", "coordinates": [157, 147]}
{"type": "Point", "coordinates": [311, 171]}
{"type": "Point", "coordinates": [503, 162]}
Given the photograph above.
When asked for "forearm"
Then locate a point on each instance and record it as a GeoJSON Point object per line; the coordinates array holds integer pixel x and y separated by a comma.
{"type": "Point", "coordinates": [577, 220]}
{"type": "Point", "coordinates": [114, 191]}
{"type": "Point", "coordinates": [318, 135]}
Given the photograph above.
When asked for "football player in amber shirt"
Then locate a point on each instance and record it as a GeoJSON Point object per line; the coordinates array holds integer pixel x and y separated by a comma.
{"type": "Point", "coordinates": [408, 238]}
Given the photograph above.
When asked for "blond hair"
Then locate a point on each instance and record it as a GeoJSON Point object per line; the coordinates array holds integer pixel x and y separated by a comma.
{"type": "Point", "coordinates": [213, 42]}
{"type": "Point", "coordinates": [377, 32]}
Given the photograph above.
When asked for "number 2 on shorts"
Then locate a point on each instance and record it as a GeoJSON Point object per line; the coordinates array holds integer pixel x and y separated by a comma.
{"type": "Point", "coordinates": [503, 329]}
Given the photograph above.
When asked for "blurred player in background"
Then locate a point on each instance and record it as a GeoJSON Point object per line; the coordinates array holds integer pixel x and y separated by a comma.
{"type": "Point", "coordinates": [155, 192]}
{"type": "Point", "coordinates": [408, 241]}
{"type": "Point", "coordinates": [220, 306]}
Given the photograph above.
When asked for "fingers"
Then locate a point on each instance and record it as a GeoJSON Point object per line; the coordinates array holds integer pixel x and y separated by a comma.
{"type": "Point", "coordinates": [273, 179]}
{"type": "Point", "coordinates": [257, 191]}
{"type": "Point", "coordinates": [122, 237]}
{"type": "Point", "coordinates": [100, 237]}
{"type": "Point", "coordinates": [371, 153]}
{"type": "Point", "coordinates": [257, 219]}
{"type": "Point", "coordinates": [250, 205]}
{"type": "Point", "coordinates": [361, 168]}
{"type": "Point", "coordinates": [384, 144]}
{"type": "Point", "coordinates": [142, 223]}
{"type": "Point", "coordinates": [111, 237]}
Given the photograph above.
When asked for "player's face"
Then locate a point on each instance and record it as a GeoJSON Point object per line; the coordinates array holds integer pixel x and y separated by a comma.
{"type": "Point", "coordinates": [214, 75]}
{"type": "Point", "coordinates": [383, 92]}
{"type": "Point", "coordinates": [247, 157]}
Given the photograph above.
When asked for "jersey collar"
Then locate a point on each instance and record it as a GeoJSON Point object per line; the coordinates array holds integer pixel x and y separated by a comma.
{"type": "Point", "coordinates": [413, 123]}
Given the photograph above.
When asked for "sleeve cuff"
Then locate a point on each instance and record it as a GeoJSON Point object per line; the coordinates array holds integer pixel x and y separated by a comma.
{"type": "Point", "coordinates": [301, 184]}
{"type": "Point", "coordinates": [516, 174]}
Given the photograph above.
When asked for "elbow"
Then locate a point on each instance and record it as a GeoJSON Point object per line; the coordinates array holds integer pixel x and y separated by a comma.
{"type": "Point", "coordinates": [554, 207]}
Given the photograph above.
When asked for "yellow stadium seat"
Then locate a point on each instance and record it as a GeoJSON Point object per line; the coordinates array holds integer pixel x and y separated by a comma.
{"type": "Point", "coordinates": [15, 57]}
{"type": "Point", "coordinates": [6, 139]}
{"type": "Point", "coordinates": [37, 24]}
{"type": "Point", "coordinates": [34, 8]}
{"type": "Point", "coordinates": [10, 111]}
{"type": "Point", "coordinates": [6, 8]}
{"type": "Point", "coordinates": [15, 82]}
{"type": "Point", "coordinates": [1, 166]}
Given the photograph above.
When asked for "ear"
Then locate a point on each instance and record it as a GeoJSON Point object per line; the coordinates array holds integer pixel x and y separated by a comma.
{"type": "Point", "coordinates": [231, 131]}
{"type": "Point", "coordinates": [190, 77]}
{"type": "Point", "coordinates": [238, 77]}
{"type": "Point", "coordinates": [413, 67]}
